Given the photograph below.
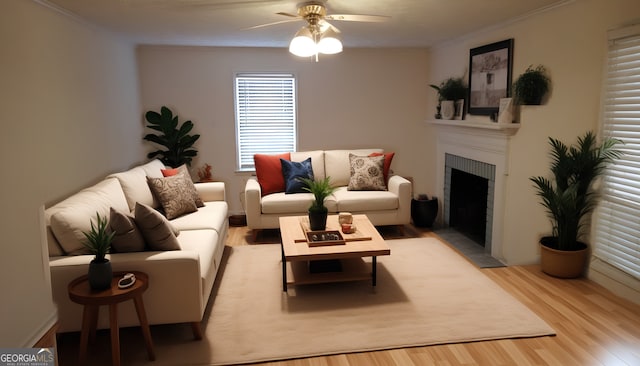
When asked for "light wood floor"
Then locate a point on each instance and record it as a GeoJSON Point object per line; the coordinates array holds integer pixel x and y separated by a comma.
{"type": "Point", "coordinates": [593, 326]}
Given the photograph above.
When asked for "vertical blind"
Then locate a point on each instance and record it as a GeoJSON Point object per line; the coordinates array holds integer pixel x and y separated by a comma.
{"type": "Point", "coordinates": [265, 116]}
{"type": "Point", "coordinates": [617, 219]}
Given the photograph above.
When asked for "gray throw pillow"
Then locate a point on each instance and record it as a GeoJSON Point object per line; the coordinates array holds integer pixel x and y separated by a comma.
{"type": "Point", "coordinates": [127, 237]}
{"type": "Point", "coordinates": [156, 230]}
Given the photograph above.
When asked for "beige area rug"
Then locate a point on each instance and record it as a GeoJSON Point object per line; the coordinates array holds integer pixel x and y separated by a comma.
{"type": "Point", "coordinates": [427, 294]}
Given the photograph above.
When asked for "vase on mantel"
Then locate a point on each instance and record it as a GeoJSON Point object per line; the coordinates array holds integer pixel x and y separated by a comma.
{"type": "Point", "coordinates": [448, 109]}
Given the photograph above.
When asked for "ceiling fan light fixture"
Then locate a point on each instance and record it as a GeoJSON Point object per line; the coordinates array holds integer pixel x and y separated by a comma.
{"type": "Point", "coordinates": [329, 42]}
{"type": "Point", "coordinates": [303, 44]}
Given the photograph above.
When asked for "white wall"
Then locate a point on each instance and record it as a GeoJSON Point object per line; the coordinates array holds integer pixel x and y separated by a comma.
{"type": "Point", "coordinates": [70, 115]}
{"type": "Point", "coordinates": [359, 98]}
{"type": "Point", "coordinates": [570, 41]}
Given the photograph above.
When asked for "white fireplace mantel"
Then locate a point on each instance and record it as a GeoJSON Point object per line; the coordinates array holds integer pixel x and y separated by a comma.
{"type": "Point", "coordinates": [508, 129]}
{"type": "Point", "coordinates": [486, 142]}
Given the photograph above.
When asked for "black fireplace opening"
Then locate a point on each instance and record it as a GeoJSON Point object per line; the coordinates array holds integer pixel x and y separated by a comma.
{"type": "Point", "coordinates": [468, 205]}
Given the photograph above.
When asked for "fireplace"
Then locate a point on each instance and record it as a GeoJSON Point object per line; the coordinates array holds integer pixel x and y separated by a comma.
{"type": "Point", "coordinates": [479, 149]}
{"type": "Point", "coordinates": [468, 198]}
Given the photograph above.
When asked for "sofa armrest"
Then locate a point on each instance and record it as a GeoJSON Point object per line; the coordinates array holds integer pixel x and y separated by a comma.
{"type": "Point", "coordinates": [402, 188]}
{"type": "Point", "coordinates": [175, 282]}
{"type": "Point", "coordinates": [252, 202]}
{"type": "Point", "coordinates": [211, 191]}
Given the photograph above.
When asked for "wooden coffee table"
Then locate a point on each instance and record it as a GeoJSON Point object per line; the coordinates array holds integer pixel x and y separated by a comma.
{"type": "Point", "coordinates": [298, 256]}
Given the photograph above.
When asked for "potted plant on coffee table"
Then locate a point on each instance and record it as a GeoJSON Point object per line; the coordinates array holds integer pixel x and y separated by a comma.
{"type": "Point", "coordinates": [318, 212]}
{"type": "Point", "coordinates": [98, 243]}
{"type": "Point", "coordinates": [569, 198]}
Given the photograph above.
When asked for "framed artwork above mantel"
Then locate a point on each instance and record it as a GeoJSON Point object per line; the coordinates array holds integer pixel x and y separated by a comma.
{"type": "Point", "coordinates": [490, 69]}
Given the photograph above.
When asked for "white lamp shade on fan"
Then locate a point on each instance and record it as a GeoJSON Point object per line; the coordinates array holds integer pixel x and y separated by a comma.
{"type": "Point", "coordinates": [329, 42]}
{"type": "Point", "coordinates": [303, 44]}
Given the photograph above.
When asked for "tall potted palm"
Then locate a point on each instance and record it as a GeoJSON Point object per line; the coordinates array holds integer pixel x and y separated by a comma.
{"type": "Point", "coordinates": [318, 212]}
{"type": "Point", "coordinates": [569, 198]}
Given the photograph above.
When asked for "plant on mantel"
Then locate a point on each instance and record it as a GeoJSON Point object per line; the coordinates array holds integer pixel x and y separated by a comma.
{"type": "Point", "coordinates": [531, 86]}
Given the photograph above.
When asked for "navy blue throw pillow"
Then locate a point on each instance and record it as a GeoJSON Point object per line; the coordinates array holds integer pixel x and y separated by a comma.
{"type": "Point", "coordinates": [292, 171]}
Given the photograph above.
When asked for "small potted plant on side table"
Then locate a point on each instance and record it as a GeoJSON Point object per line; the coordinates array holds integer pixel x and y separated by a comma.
{"type": "Point", "coordinates": [99, 243]}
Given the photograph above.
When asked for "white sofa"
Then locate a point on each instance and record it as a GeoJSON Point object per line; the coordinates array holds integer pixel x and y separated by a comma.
{"type": "Point", "coordinates": [390, 207]}
{"type": "Point", "coordinates": [180, 281]}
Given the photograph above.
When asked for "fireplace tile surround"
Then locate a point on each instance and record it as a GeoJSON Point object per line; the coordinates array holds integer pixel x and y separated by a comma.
{"type": "Point", "coordinates": [483, 142]}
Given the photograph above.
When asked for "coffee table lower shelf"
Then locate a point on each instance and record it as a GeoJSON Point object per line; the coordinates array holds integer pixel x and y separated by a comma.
{"type": "Point", "coordinates": [353, 269]}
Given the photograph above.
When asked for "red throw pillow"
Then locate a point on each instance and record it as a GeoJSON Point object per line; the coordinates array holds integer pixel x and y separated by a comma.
{"type": "Point", "coordinates": [269, 172]}
{"type": "Point", "coordinates": [387, 163]}
{"type": "Point", "coordinates": [169, 172]}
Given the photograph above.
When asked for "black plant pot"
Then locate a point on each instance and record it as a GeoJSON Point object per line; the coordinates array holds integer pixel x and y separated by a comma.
{"type": "Point", "coordinates": [100, 274]}
{"type": "Point", "coordinates": [318, 220]}
{"type": "Point", "coordinates": [424, 212]}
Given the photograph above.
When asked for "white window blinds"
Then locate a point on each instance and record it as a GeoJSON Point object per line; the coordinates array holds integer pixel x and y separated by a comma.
{"type": "Point", "coordinates": [265, 116]}
{"type": "Point", "coordinates": [617, 219]}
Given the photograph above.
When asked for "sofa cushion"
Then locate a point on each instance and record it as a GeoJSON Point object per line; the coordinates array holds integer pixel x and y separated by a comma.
{"type": "Point", "coordinates": [71, 217]}
{"type": "Point", "coordinates": [281, 203]}
{"type": "Point", "coordinates": [293, 171]}
{"type": "Point", "coordinates": [157, 231]}
{"type": "Point", "coordinates": [174, 194]}
{"type": "Point", "coordinates": [365, 201]}
{"type": "Point", "coordinates": [338, 167]}
{"type": "Point", "coordinates": [366, 173]}
{"type": "Point", "coordinates": [388, 157]}
{"type": "Point", "coordinates": [205, 243]}
{"type": "Point", "coordinates": [317, 161]}
{"type": "Point", "coordinates": [127, 237]}
{"type": "Point", "coordinates": [212, 216]}
{"type": "Point", "coordinates": [269, 172]}
{"type": "Point", "coordinates": [134, 183]}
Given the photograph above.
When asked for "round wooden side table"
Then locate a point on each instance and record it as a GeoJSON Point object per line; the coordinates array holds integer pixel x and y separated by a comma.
{"type": "Point", "coordinates": [80, 292]}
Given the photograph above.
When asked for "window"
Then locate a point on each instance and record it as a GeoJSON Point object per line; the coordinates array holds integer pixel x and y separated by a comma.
{"type": "Point", "coordinates": [265, 116]}
{"type": "Point", "coordinates": [617, 220]}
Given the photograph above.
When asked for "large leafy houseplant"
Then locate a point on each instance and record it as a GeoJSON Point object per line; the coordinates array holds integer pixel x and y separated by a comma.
{"type": "Point", "coordinates": [531, 86]}
{"type": "Point", "coordinates": [98, 242]}
{"type": "Point", "coordinates": [176, 139]}
{"type": "Point", "coordinates": [318, 212]}
{"type": "Point", "coordinates": [569, 197]}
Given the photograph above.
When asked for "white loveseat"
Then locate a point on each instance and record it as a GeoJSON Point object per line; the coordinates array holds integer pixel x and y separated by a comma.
{"type": "Point", "coordinates": [389, 207]}
{"type": "Point", "coordinates": [180, 281]}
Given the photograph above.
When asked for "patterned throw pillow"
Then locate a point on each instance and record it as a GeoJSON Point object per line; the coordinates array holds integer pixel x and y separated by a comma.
{"type": "Point", "coordinates": [127, 237]}
{"type": "Point", "coordinates": [293, 171]}
{"type": "Point", "coordinates": [366, 173]}
{"type": "Point", "coordinates": [174, 195]}
{"type": "Point", "coordinates": [183, 169]}
{"type": "Point", "coordinates": [157, 231]}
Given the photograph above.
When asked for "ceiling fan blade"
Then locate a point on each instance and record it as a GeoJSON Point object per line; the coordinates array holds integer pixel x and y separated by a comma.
{"type": "Point", "coordinates": [324, 25]}
{"type": "Point", "coordinates": [288, 15]}
{"type": "Point", "coordinates": [270, 24]}
{"type": "Point", "coordinates": [358, 17]}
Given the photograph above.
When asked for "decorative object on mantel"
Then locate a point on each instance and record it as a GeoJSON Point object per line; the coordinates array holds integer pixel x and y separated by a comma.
{"type": "Point", "coordinates": [176, 139]}
{"type": "Point", "coordinates": [489, 76]}
{"type": "Point", "coordinates": [204, 173]}
{"type": "Point", "coordinates": [98, 243]}
{"type": "Point", "coordinates": [530, 87]}
{"type": "Point", "coordinates": [451, 93]}
{"type": "Point", "coordinates": [569, 199]}
{"type": "Point", "coordinates": [505, 113]}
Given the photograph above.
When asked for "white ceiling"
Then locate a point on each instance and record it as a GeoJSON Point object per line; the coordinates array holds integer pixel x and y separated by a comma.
{"type": "Point", "coordinates": [413, 23]}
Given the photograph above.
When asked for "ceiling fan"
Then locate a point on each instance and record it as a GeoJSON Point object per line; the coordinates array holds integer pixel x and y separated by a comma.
{"type": "Point", "coordinates": [318, 36]}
